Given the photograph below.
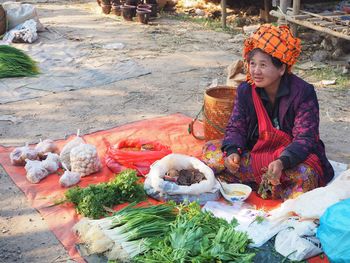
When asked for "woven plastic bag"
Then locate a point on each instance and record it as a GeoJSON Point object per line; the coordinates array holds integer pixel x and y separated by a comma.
{"type": "Point", "coordinates": [334, 232]}
{"type": "Point", "coordinates": [18, 13]}
{"type": "Point", "coordinates": [136, 154]}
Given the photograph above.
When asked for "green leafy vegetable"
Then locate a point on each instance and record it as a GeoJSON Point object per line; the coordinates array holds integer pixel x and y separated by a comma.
{"type": "Point", "coordinates": [93, 200]}
{"type": "Point", "coordinates": [197, 236]}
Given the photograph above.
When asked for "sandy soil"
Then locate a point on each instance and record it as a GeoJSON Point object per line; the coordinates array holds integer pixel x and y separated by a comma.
{"type": "Point", "coordinates": [183, 59]}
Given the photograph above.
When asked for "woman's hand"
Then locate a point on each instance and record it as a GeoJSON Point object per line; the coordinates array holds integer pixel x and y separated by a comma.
{"type": "Point", "coordinates": [232, 162]}
{"type": "Point", "coordinates": [274, 172]}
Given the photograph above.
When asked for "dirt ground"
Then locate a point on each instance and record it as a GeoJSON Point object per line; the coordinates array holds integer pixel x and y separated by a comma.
{"type": "Point", "coordinates": [183, 60]}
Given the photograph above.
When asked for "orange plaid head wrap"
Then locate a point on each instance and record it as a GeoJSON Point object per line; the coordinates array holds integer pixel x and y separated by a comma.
{"type": "Point", "coordinates": [279, 42]}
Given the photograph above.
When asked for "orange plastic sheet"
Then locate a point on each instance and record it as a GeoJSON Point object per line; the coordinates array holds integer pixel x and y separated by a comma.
{"type": "Point", "coordinates": [170, 130]}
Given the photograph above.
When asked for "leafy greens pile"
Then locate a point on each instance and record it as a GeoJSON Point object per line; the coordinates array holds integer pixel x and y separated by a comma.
{"type": "Point", "coordinates": [197, 236]}
{"type": "Point", "coordinates": [15, 63]}
{"type": "Point", "coordinates": [93, 200]}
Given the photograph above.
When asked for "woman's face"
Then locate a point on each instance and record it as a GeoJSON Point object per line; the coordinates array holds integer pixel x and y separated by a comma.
{"type": "Point", "coordinates": [263, 72]}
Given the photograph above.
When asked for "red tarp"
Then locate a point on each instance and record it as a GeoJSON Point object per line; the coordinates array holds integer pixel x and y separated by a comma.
{"type": "Point", "coordinates": [170, 130]}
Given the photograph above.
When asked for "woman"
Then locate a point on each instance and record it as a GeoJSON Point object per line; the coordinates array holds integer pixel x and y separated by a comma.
{"type": "Point", "coordinates": [272, 138]}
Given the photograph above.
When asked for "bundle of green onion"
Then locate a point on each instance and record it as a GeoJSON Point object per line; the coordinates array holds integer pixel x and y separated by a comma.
{"type": "Point", "coordinates": [128, 232]}
{"type": "Point", "coordinates": [15, 63]}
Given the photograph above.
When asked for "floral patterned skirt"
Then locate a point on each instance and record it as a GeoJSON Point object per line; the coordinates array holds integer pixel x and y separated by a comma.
{"type": "Point", "coordinates": [298, 180]}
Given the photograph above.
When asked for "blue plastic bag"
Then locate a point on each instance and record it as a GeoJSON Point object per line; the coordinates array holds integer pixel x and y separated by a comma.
{"type": "Point", "coordinates": [334, 232]}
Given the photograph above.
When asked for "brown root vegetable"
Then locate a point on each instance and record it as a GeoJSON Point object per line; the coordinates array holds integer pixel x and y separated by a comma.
{"type": "Point", "coordinates": [189, 177]}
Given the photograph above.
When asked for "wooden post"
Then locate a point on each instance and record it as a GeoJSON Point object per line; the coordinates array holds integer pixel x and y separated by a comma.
{"type": "Point", "coordinates": [296, 9]}
{"type": "Point", "coordinates": [223, 13]}
{"type": "Point", "coordinates": [283, 6]}
{"type": "Point", "coordinates": [267, 10]}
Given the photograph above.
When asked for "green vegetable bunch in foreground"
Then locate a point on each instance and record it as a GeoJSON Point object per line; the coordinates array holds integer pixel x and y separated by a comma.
{"type": "Point", "coordinates": [164, 233]}
{"type": "Point", "coordinates": [15, 63]}
{"type": "Point", "coordinates": [93, 200]}
{"type": "Point", "coordinates": [198, 236]}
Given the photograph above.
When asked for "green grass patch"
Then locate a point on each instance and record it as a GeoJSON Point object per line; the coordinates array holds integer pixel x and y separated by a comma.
{"type": "Point", "coordinates": [329, 73]}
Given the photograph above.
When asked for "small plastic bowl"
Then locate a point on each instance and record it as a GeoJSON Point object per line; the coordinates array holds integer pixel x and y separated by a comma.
{"type": "Point", "coordinates": [235, 192]}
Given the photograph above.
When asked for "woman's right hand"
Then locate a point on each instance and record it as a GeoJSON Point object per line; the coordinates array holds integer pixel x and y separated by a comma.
{"type": "Point", "coordinates": [232, 162]}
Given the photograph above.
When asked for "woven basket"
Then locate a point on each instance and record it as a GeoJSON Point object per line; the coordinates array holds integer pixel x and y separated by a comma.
{"type": "Point", "coordinates": [3, 23]}
{"type": "Point", "coordinates": [217, 109]}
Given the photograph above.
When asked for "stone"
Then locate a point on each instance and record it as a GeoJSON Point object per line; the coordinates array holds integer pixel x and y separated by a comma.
{"type": "Point", "coordinates": [320, 55]}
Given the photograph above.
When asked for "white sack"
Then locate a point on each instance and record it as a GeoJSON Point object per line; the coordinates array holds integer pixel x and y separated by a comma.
{"type": "Point", "coordinates": [17, 13]}
{"type": "Point", "coordinates": [180, 162]}
{"type": "Point", "coordinates": [314, 203]}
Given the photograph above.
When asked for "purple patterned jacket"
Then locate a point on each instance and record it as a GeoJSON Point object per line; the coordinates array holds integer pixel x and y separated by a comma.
{"type": "Point", "coordinates": [298, 115]}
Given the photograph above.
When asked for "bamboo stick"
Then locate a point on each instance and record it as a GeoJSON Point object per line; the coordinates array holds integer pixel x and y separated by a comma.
{"type": "Point", "coordinates": [345, 34]}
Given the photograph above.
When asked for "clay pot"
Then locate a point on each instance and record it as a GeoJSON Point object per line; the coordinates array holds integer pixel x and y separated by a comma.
{"type": "Point", "coordinates": [106, 9]}
{"type": "Point", "coordinates": [116, 10]}
{"type": "Point", "coordinates": [128, 12]}
{"type": "Point", "coordinates": [143, 15]}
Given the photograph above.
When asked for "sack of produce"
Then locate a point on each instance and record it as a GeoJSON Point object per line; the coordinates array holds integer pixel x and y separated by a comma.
{"type": "Point", "coordinates": [134, 154]}
{"type": "Point", "coordinates": [69, 178]}
{"type": "Point", "coordinates": [181, 178]}
{"type": "Point", "coordinates": [20, 154]}
{"type": "Point", "coordinates": [65, 152]}
{"type": "Point", "coordinates": [46, 146]}
{"type": "Point", "coordinates": [84, 159]}
{"type": "Point", "coordinates": [52, 162]}
{"type": "Point", "coordinates": [18, 13]}
{"type": "Point", "coordinates": [35, 171]}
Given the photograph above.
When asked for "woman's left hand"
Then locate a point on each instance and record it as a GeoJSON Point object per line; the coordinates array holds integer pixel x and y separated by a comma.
{"type": "Point", "coordinates": [275, 171]}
